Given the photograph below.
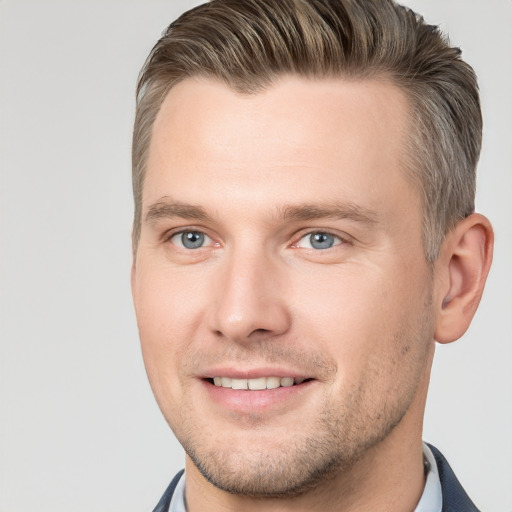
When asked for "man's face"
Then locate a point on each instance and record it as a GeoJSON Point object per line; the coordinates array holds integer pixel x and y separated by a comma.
{"type": "Point", "coordinates": [281, 243]}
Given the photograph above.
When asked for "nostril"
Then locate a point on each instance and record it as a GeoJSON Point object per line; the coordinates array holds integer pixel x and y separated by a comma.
{"type": "Point", "coordinates": [259, 331]}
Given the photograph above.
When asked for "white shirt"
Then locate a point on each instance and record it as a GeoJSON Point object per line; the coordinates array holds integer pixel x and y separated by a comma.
{"type": "Point", "coordinates": [431, 499]}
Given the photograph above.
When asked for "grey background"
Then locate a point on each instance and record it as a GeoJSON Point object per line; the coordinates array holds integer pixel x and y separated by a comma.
{"type": "Point", "coordinates": [79, 429]}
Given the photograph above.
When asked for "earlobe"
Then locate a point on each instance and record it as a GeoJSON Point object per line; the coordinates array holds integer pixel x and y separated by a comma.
{"type": "Point", "coordinates": [463, 265]}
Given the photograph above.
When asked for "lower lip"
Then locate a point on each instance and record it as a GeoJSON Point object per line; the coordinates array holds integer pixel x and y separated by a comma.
{"type": "Point", "coordinates": [249, 401]}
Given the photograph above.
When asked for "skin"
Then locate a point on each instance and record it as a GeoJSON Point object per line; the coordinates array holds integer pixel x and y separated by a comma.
{"type": "Point", "coordinates": [257, 175]}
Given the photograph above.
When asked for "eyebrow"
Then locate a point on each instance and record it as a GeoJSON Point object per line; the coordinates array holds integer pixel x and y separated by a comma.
{"type": "Point", "coordinates": [168, 208]}
{"type": "Point", "coordinates": [165, 208]}
{"type": "Point", "coordinates": [350, 211]}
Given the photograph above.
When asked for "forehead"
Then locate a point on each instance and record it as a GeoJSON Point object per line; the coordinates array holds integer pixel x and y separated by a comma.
{"type": "Point", "coordinates": [299, 137]}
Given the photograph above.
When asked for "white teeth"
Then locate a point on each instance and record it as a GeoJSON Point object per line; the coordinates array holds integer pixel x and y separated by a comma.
{"type": "Point", "coordinates": [225, 382]}
{"type": "Point", "coordinates": [273, 382]}
{"type": "Point", "coordinates": [239, 383]}
{"type": "Point", "coordinates": [256, 384]}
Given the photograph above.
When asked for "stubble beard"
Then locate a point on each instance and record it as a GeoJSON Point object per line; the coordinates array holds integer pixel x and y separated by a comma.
{"type": "Point", "coordinates": [288, 469]}
{"type": "Point", "coordinates": [332, 444]}
{"type": "Point", "coordinates": [293, 465]}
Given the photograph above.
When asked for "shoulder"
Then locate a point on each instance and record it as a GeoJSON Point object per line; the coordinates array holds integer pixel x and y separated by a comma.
{"type": "Point", "coordinates": [455, 498]}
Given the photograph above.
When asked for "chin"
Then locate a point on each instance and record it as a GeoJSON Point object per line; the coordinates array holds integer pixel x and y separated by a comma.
{"type": "Point", "coordinates": [273, 465]}
{"type": "Point", "coordinates": [268, 474]}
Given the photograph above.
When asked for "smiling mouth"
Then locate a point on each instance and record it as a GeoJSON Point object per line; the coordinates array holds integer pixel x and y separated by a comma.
{"type": "Point", "coordinates": [257, 384]}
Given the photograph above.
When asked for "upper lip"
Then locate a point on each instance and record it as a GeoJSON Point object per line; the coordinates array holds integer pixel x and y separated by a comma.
{"type": "Point", "coordinates": [253, 373]}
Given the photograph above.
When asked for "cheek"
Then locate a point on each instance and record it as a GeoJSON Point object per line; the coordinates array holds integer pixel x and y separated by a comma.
{"type": "Point", "coordinates": [168, 304]}
{"type": "Point", "coordinates": [168, 315]}
{"type": "Point", "coordinates": [361, 314]}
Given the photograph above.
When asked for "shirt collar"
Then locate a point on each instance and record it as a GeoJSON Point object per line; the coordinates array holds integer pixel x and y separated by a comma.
{"type": "Point", "coordinates": [178, 498]}
{"type": "Point", "coordinates": [432, 497]}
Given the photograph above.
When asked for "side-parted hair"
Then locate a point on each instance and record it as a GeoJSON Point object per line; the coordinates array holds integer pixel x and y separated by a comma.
{"type": "Point", "coordinates": [249, 44]}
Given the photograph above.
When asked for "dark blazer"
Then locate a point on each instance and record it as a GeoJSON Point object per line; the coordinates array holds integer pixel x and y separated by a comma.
{"type": "Point", "coordinates": [455, 498]}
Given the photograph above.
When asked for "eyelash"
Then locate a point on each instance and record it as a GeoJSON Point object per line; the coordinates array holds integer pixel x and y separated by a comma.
{"type": "Point", "coordinates": [170, 236]}
{"type": "Point", "coordinates": [339, 240]}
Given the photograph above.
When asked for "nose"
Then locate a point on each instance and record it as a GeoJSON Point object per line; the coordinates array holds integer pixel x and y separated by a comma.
{"type": "Point", "coordinates": [250, 302]}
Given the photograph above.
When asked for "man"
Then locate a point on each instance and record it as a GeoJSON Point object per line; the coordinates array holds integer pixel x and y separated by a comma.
{"type": "Point", "coordinates": [304, 179]}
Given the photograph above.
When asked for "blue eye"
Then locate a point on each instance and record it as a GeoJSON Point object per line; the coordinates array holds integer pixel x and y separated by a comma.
{"type": "Point", "coordinates": [190, 239]}
{"type": "Point", "coordinates": [319, 240]}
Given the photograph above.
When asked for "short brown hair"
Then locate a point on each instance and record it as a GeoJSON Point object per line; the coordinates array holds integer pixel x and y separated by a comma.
{"type": "Point", "coordinates": [248, 44]}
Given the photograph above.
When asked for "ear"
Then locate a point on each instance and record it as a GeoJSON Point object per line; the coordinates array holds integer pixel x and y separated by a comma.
{"type": "Point", "coordinates": [461, 271]}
